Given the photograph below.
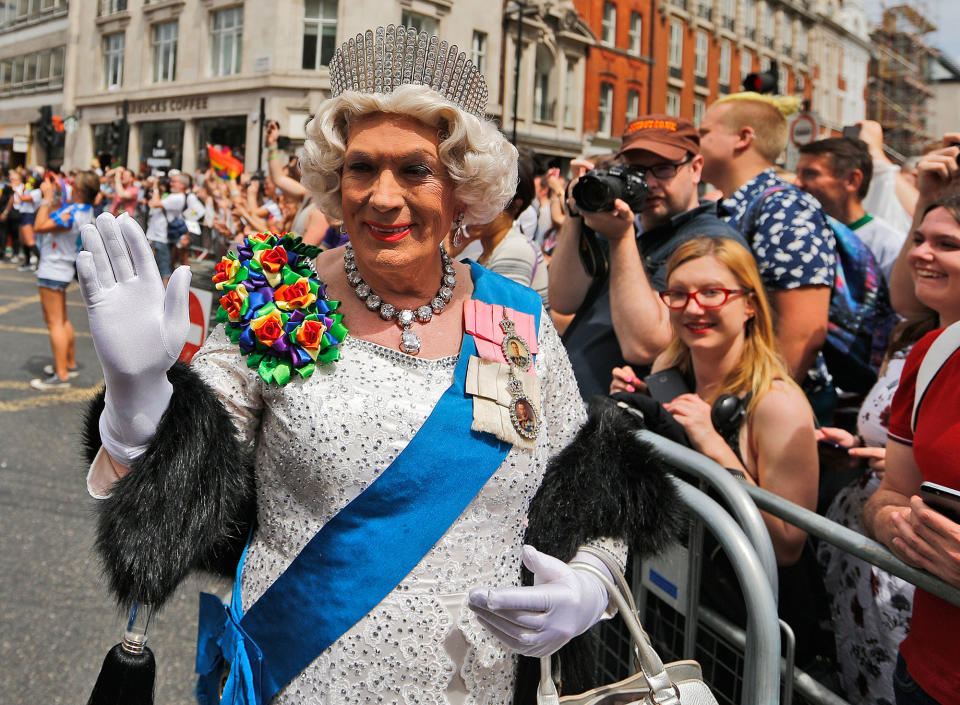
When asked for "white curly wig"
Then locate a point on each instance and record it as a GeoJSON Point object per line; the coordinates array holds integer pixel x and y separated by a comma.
{"type": "Point", "coordinates": [479, 159]}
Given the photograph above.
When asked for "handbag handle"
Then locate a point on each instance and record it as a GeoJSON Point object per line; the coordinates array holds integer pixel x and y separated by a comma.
{"type": "Point", "coordinates": [662, 689]}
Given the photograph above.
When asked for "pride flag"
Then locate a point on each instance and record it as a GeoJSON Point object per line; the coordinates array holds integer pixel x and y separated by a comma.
{"type": "Point", "coordinates": [223, 162]}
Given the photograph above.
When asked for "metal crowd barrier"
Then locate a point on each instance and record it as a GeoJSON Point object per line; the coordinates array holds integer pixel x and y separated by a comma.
{"type": "Point", "coordinates": [751, 553]}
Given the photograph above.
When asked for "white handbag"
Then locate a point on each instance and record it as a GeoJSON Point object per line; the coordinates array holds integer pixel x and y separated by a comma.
{"type": "Point", "coordinates": [676, 683]}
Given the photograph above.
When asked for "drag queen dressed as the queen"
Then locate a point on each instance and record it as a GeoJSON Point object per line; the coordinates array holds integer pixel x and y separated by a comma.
{"type": "Point", "coordinates": [371, 489]}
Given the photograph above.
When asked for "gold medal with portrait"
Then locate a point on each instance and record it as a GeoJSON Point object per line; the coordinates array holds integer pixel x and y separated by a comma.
{"type": "Point", "coordinates": [524, 418]}
{"type": "Point", "coordinates": [517, 352]}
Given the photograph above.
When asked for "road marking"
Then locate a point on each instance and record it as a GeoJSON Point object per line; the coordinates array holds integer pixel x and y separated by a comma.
{"type": "Point", "coordinates": [19, 303]}
{"type": "Point", "coordinates": [67, 396]}
{"type": "Point", "coordinates": [39, 331]}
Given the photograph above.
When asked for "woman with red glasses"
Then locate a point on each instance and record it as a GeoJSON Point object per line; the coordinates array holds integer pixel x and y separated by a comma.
{"type": "Point", "coordinates": [724, 346]}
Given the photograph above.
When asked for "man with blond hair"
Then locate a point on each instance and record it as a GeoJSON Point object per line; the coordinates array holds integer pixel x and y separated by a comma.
{"type": "Point", "coordinates": [741, 138]}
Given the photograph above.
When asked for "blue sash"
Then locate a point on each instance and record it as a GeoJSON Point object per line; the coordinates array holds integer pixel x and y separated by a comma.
{"type": "Point", "coordinates": [366, 550]}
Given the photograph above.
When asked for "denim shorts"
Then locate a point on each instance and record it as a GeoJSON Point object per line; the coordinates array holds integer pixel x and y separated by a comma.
{"type": "Point", "coordinates": [51, 284]}
{"type": "Point", "coordinates": [161, 253]}
{"type": "Point", "coordinates": [28, 218]}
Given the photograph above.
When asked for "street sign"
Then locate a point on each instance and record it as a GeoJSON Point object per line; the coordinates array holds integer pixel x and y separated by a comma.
{"type": "Point", "coordinates": [803, 129]}
{"type": "Point", "coordinates": [199, 307]}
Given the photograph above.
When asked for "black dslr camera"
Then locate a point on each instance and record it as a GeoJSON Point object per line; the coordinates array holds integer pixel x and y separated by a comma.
{"type": "Point", "coordinates": [598, 189]}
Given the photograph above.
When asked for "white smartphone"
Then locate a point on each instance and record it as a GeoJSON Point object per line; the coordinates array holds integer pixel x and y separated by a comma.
{"type": "Point", "coordinates": [945, 500]}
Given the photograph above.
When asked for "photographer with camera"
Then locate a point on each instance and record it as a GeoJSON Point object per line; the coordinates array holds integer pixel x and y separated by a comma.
{"type": "Point", "coordinates": [611, 253]}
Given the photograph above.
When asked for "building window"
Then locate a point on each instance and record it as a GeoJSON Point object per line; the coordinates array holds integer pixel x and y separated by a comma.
{"type": "Point", "coordinates": [108, 7]}
{"type": "Point", "coordinates": [421, 23]}
{"type": "Point", "coordinates": [673, 103]}
{"type": "Point", "coordinates": [570, 95]}
{"type": "Point", "coordinates": [769, 22]}
{"type": "Point", "coordinates": [480, 51]}
{"type": "Point", "coordinates": [700, 56]}
{"type": "Point", "coordinates": [636, 33]}
{"type": "Point", "coordinates": [609, 24]}
{"type": "Point", "coordinates": [544, 103]}
{"type": "Point", "coordinates": [729, 10]}
{"type": "Point", "coordinates": [633, 105]}
{"type": "Point", "coordinates": [782, 86]}
{"type": "Point", "coordinates": [164, 52]}
{"type": "Point", "coordinates": [41, 70]}
{"type": "Point", "coordinates": [746, 64]}
{"type": "Point", "coordinates": [675, 52]}
{"type": "Point", "coordinates": [799, 83]}
{"type": "Point", "coordinates": [750, 14]}
{"type": "Point", "coordinates": [226, 41]}
{"type": "Point", "coordinates": [13, 12]}
{"type": "Point", "coordinates": [725, 62]}
{"type": "Point", "coordinates": [699, 108]}
{"type": "Point", "coordinates": [319, 33]}
{"type": "Point", "coordinates": [605, 112]}
{"type": "Point", "coordinates": [113, 60]}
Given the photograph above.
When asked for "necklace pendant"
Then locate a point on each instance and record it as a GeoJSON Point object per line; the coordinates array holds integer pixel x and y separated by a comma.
{"type": "Point", "coordinates": [524, 418]}
{"type": "Point", "coordinates": [409, 342]}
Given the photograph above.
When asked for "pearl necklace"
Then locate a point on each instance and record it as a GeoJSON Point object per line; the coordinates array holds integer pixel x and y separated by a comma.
{"type": "Point", "coordinates": [409, 341]}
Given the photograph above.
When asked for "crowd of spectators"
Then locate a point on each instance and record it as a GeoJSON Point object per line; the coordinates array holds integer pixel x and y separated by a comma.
{"type": "Point", "coordinates": [744, 290]}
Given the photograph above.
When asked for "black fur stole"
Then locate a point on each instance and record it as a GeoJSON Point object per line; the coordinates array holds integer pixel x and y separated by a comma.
{"type": "Point", "coordinates": [188, 503]}
{"type": "Point", "coordinates": [605, 483]}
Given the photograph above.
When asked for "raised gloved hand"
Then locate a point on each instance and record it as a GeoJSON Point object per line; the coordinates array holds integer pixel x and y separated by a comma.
{"type": "Point", "coordinates": [138, 329]}
{"type": "Point", "coordinates": [537, 620]}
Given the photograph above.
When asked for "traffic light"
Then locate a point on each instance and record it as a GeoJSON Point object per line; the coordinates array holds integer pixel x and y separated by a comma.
{"type": "Point", "coordinates": [57, 123]}
{"type": "Point", "coordinates": [45, 129]}
{"type": "Point", "coordinates": [118, 133]}
{"type": "Point", "coordinates": [763, 82]}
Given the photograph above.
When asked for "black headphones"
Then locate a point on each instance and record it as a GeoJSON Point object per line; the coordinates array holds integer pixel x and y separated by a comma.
{"type": "Point", "coordinates": [727, 413]}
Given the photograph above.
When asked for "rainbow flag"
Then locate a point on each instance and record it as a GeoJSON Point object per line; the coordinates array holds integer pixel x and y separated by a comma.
{"type": "Point", "coordinates": [223, 162]}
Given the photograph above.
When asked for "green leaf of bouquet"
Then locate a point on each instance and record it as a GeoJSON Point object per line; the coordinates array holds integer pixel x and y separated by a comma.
{"type": "Point", "coordinates": [222, 316]}
{"type": "Point", "coordinates": [253, 359]}
{"type": "Point", "coordinates": [265, 369]}
{"type": "Point", "coordinates": [281, 373]}
{"type": "Point", "coordinates": [306, 370]}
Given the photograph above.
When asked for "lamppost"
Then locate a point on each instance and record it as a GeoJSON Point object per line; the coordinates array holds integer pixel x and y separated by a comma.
{"type": "Point", "coordinates": [522, 8]}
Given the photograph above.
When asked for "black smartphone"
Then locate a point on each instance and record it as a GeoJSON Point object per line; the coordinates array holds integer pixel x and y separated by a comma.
{"type": "Point", "coordinates": [945, 500]}
{"type": "Point", "coordinates": [852, 131]}
{"type": "Point", "coordinates": [283, 142]}
{"type": "Point", "coordinates": [666, 385]}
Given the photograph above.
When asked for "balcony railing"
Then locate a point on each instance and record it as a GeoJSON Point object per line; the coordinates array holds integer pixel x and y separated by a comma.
{"type": "Point", "coordinates": [705, 11]}
{"type": "Point", "coordinates": [701, 81]}
{"type": "Point", "coordinates": [729, 22]}
{"type": "Point", "coordinates": [750, 33]}
{"type": "Point", "coordinates": [768, 42]}
{"type": "Point", "coordinates": [682, 4]}
{"type": "Point", "coordinates": [676, 72]}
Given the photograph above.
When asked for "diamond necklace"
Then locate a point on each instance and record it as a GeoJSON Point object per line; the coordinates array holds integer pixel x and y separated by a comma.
{"type": "Point", "coordinates": [409, 342]}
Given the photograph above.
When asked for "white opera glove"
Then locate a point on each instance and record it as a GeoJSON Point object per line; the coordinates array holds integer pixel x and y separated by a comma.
{"type": "Point", "coordinates": [138, 329]}
{"type": "Point", "coordinates": [538, 620]}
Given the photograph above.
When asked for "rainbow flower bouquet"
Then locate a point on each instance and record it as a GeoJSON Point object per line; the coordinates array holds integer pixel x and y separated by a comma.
{"type": "Point", "coordinates": [275, 308]}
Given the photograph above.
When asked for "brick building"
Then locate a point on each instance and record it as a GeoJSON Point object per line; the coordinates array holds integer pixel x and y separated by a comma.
{"type": "Point", "coordinates": [617, 85]}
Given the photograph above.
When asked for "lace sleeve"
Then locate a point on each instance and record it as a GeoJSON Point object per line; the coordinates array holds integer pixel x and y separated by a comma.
{"type": "Point", "coordinates": [240, 390]}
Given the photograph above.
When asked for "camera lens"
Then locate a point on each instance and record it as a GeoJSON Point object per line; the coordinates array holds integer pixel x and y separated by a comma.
{"type": "Point", "coordinates": [597, 191]}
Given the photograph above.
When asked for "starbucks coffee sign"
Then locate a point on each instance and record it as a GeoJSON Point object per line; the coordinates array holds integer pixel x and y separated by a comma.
{"type": "Point", "coordinates": [163, 105]}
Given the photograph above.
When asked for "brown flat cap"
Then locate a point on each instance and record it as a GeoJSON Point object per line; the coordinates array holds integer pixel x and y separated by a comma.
{"type": "Point", "coordinates": [665, 135]}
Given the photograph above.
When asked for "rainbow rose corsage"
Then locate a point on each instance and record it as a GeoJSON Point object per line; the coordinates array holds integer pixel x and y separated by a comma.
{"type": "Point", "coordinates": [276, 308]}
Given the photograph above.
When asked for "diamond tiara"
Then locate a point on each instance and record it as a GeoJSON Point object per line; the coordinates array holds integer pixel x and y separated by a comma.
{"type": "Point", "coordinates": [382, 60]}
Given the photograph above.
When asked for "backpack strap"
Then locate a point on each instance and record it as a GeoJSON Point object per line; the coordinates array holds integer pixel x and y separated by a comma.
{"type": "Point", "coordinates": [937, 355]}
{"type": "Point", "coordinates": [749, 223]}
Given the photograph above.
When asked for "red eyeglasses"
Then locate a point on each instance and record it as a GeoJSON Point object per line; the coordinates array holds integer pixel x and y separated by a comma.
{"type": "Point", "coordinates": [712, 297]}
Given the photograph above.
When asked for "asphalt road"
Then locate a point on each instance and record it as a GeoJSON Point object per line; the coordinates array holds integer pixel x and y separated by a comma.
{"type": "Point", "coordinates": [57, 619]}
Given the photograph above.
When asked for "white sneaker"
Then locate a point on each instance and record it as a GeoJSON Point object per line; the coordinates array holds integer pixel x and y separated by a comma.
{"type": "Point", "coordinates": [50, 371]}
{"type": "Point", "coordinates": [51, 382]}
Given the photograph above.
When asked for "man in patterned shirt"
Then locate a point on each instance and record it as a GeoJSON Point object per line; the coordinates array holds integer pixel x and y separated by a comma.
{"type": "Point", "coordinates": [741, 137]}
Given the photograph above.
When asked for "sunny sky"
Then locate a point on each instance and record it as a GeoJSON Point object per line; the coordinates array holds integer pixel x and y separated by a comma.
{"type": "Point", "coordinates": [945, 14]}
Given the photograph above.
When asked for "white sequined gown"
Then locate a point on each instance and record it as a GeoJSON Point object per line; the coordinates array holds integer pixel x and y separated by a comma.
{"type": "Point", "coordinates": [322, 441]}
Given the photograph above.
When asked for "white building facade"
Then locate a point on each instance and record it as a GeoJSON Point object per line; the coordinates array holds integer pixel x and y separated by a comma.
{"type": "Point", "coordinates": [188, 73]}
{"type": "Point", "coordinates": [32, 49]}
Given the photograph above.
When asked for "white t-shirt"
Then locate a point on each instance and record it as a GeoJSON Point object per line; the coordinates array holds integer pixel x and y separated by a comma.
{"type": "Point", "coordinates": [58, 250]}
{"type": "Point", "coordinates": [883, 240]}
{"type": "Point", "coordinates": [157, 226]}
{"type": "Point", "coordinates": [27, 206]}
